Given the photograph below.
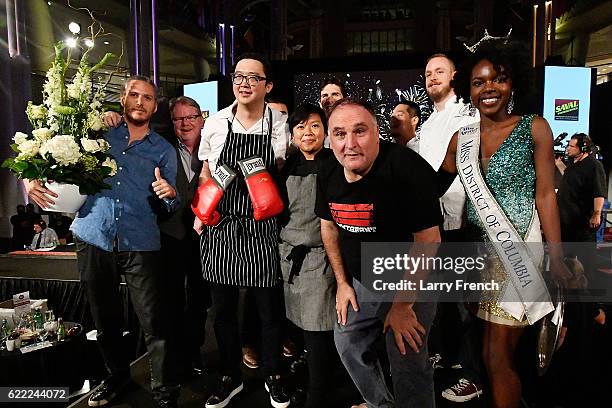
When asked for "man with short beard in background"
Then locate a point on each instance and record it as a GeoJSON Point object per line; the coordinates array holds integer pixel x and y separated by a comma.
{"type": "Point", "coordinates": [448, 116]}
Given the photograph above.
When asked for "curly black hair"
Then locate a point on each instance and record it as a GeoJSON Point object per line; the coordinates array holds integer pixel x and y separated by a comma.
{"type": "Point", "coordinates": [513, 56]}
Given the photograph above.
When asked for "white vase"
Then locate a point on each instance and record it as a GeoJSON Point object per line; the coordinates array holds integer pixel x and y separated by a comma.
{"type": "Point", "coordinates": [69, 199]}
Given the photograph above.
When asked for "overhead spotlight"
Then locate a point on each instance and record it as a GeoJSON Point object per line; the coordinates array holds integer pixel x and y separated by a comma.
{"type": "Point", "coordinates": [71, 42]}
{"type": "Point", "coordinates": [75, 28]}
{"type": "Point", "coordinates": [49, 3]}
{"type": "Point", "coordinates": [106, 42]}
{"type": "Point", "coordinates": [88, 42]}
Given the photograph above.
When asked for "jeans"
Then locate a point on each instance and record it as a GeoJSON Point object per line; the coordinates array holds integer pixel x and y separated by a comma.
{"type": "Point", "coordinates": [412, 374]}
{"type": "Point", "coordinates": [100, 273]}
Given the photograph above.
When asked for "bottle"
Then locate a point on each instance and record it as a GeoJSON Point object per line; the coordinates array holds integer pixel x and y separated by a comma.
{"type": "Point", "coordinates": [23, 322]}
{"type": "Point", "coordinates": [5, 330]}
{"type": "Point", "coordinates": [39, 320]}
{"type": "Point", "coordinates": [61, 330]}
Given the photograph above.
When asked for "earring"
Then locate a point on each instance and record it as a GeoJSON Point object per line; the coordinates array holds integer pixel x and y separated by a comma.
{"type": "Point", "coordinates": [510, 106]}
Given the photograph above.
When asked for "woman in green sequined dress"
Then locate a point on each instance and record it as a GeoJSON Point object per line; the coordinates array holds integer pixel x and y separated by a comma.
{"type": "Point", "coordinates": [516, 157]}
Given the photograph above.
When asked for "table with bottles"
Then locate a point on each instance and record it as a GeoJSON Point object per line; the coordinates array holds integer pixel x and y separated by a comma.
{"type": "Point", "coordinates": [41, 350]}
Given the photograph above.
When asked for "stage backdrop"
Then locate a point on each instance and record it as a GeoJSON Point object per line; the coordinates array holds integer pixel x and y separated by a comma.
{"type": "Point", "coordinates": [205, 94]}
{"type": "Point", "coordinates": [383, 89]}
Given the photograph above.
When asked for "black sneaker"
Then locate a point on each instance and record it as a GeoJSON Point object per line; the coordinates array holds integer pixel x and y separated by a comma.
{"type": "Point", "coordinates": [299, 397]}
{"type": "Point", "coordinates": [278, 396]}
{"type": "Point", "coordinates": [166, 403]}
{"type": "Point", "coordinates": [105, 392]}
{"type": "Point", "coordinates": [225, 390]}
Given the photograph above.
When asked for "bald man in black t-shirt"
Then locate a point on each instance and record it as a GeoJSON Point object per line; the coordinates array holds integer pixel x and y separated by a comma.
{"type": "Point", "coordinates": [376, 191]}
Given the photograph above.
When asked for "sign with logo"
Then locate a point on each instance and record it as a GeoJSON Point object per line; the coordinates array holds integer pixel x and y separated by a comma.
{"type": "Point", "coordinates": [567, 101]}
{"type": "Point", "coordinates": [567, 109]}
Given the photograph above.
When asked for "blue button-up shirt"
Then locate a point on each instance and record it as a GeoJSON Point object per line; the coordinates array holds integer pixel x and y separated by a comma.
{"type": "Point", "coordinates": [125, 215]}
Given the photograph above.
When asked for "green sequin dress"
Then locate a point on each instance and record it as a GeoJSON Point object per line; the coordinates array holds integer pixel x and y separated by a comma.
{"type": "Point", "coordinates": [511, 178]}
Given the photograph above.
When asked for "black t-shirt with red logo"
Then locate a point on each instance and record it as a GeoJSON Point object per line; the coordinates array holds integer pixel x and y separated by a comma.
{"type": "Point", "coordinates": [397, 197]}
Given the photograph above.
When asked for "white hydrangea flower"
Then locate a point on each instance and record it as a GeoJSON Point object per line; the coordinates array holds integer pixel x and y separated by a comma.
{"type": "Point", "coordinates": [63, 149]}
{"type": "Point", "coordinates": [112, 164]}
{"type": "Point", "coordinates": [90, 145]}
{"type": "Point", "coordinates": [72, 90]}
{"type": "Point", "coordinates": [42, 134]}
{"type": "Point", "coordinates": [38, 111]}
{"type": "Point", "coordinates": [20, 137]}
{"type": "Point", "coordinates": [28, 148]}
{"type": "Point", "coordinates": [104, 146]}
{"type": "Point", "coordinates": [94, 121]}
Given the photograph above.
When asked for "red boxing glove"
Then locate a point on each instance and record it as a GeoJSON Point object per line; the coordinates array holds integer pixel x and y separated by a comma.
{"type": "Point", "coordinates": [264, 194]}
{"type": "Point", "coordinates": [208, 195]}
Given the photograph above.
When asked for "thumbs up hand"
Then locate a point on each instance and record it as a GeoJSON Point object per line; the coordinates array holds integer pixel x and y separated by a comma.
{"type": "Point", "coordinates": [161, 186]}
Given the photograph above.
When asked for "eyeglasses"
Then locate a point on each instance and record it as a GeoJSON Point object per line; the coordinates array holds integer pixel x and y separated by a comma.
{"type": "Point", "coordinates": [252, 80]}
{"type": "Point", "coordinates": [188, 118]}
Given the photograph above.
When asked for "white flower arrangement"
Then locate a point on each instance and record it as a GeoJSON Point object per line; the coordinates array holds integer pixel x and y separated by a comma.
{"type": "Point", "coordinates": [66, 144]}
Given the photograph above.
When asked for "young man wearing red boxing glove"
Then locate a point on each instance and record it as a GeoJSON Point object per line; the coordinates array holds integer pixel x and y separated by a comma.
{"type": "Point", "coordinates": [241, 249]}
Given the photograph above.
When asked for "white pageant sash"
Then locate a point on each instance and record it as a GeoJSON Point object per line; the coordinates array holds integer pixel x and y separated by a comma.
{"type": "Point", "coordinates": [527, 294]}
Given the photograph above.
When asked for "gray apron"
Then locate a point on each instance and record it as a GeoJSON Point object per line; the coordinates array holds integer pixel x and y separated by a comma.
{"type": "Point", "coordinates": [309, 283]}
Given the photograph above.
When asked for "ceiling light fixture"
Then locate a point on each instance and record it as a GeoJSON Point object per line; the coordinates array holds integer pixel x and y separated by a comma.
{"type": "Point", "coordinates": [75, 28]}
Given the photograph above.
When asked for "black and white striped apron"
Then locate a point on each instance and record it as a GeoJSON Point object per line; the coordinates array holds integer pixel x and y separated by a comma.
{"type": "Point", "coordinates": [240, 250]}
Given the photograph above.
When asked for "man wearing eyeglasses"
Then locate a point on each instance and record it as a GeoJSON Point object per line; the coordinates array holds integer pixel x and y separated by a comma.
{"type": "Point", "coordinates": [239, 251]}
{"type": "Point", "coordinates": [188, 292]}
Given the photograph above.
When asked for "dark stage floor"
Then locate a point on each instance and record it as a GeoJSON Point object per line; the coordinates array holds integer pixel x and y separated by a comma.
{"type": "Point", "coordinates": [194, 393]}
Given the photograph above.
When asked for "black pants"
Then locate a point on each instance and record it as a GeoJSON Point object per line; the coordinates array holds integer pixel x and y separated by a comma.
{"type": "Point", "coordinates": [188, 295]}
{"type": "Point", "coordinates": [453, 323]}
{"type": "Point", "coordinates": [227, 331]}
{"type": "Point", "coordinates": [323, 361]}
{"type": "Point", "coordinates": [100, 273]}
{"type": "Point", "coordinates": [251, 326]}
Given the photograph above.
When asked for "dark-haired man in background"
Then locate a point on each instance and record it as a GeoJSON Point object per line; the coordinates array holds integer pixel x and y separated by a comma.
{"type": "Point", "coordinates": [332, 90]}
{"type": "Point", "coordinates": [581, 192]}
{"type": "Point", "coordinates": [405, 119]}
